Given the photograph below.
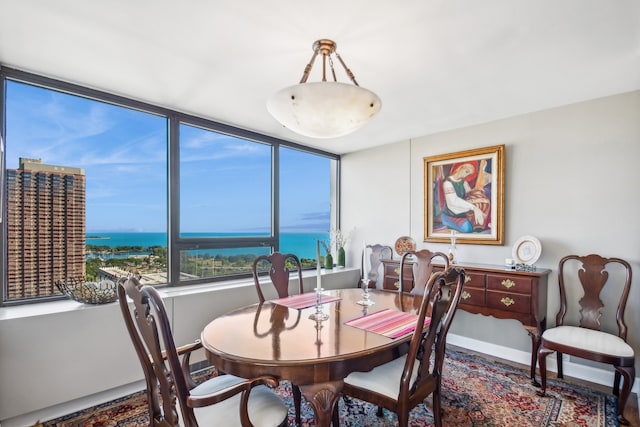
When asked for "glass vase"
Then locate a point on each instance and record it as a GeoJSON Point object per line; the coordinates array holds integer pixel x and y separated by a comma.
{"type": "Point", "coordinates": [328, 262]}
{"type": "Point", "coordinates": [341, 258]}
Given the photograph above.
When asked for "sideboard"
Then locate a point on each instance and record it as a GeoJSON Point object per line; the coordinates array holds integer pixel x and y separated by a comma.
{"type": "Point", "coordinates": [492, 290]}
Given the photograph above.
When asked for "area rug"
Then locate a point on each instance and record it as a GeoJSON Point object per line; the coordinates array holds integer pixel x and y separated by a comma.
{"type": "Point", "coordinates": [476, 391]}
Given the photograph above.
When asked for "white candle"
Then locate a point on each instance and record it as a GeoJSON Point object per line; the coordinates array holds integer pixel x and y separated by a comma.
{"type": "Point", "coordinates": [365, 266]}
{"type": "Point", "coordinates": [318, 285]}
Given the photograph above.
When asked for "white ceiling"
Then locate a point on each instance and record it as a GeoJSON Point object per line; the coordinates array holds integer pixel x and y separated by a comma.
{"type": "Point", "coordinates": [436, 64]}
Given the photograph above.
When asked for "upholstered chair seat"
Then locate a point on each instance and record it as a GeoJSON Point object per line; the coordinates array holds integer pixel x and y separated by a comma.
{"type": "Point", "coordinates": [589, 340]}
{"type": "Point", "coordinates": [384, 379]}
{"type": "Point", "coordinates": [264, 408]}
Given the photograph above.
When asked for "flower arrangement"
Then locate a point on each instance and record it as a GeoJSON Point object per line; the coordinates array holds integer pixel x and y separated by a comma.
{"type": "Point", "coordinates": [340, 238]}
{"type": "Point", "coordinates": [327, 246]}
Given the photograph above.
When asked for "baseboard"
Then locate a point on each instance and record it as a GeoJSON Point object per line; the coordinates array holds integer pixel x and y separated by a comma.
{"type": "Point", "coordinates": [571, 369]}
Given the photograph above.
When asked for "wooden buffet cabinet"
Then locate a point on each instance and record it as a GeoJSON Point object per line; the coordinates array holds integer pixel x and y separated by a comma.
{"type": "Point", "coordinates": [492, 290]}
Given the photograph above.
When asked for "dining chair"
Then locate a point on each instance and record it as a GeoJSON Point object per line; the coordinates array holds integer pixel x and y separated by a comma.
{"type": "Point", "coordinates": [377, 254]}
{"type": "Point", "coordinates": [582, 331]}
{"type": "Point", "coordinates": [173, 397]}
{"type": "Point", "coordinates": [279, 266]}
{"type": "Point", "coordinates": [422, 269]}
{"type": "Point", "coordinates": [402, 384]}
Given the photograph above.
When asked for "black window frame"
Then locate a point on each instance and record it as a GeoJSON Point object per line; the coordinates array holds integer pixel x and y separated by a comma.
{"type": "Point", "coordinates": [175, 243]}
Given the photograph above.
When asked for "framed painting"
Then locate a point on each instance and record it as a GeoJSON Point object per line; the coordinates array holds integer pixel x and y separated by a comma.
{"type": "Point", "coordinates": [464, 196]}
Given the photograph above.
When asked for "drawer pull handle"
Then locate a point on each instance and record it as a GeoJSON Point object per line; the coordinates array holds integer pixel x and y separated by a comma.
{"type": "Point", "coordinates": [397, 285]}
{"type": "Point", "coordinates": [507, 301]}
{"type": "Point", "coordinates": [465, 295]}
{"type": "Point", "coordinates": [507, 283]}
{"type": "Point", "coordinates": [397, 271]}
{"type": "Point", "coordinates": [467, 279]}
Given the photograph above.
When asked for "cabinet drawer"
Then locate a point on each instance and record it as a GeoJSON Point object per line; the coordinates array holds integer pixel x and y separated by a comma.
{"type": "Point", "coordinates": [472, 296]}
{"type": "Point", "coordinates": [518, 303]}
{"type": "Point", "coordinates": [520, 285]}
{"type": "Point", "coordinates": [394, 270]}
{"type": "Point", "coordinates": [474, 280]}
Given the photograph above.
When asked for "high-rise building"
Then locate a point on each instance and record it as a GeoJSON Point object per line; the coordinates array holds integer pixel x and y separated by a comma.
{"type": "Point", "coordinates": [45, 228]}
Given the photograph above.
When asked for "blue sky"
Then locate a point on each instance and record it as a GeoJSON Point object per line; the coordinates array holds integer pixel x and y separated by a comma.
{"type": "Point", "coordinates": [225, 183]}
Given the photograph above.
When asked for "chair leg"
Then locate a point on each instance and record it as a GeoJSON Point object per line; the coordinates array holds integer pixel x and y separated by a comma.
{"type": "Point", "coordinates": [628, 377]}
{"type": "Point", "coordinates": [297, 402]}
{"type": "Point", "coordinates": [616, 383]}
{"type": "Point", "coordinates": [559, 362]}
{"type": "Point", "coordinates": [437, 408]}
{"type": "Point", "coordinates": [335, 422]}
{"type": "Point", "coordinates": [380, 412]}
{"type": "Point", "coordinates": [403, 419]}
{"type": "Point", "coordinates": [542, 364]}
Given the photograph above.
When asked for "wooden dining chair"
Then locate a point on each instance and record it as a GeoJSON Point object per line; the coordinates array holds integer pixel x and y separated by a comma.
{"type": "Point", "coordinates": [376, 254]}
{"type": "Point", "coordinates": [279, 266]}
{"type": "Point", "coordinates": [579, 329]}
{"type": "Point", "coordinates": [402, 384]}
{"type": "Point", "coordinates": [173, 397]}
{"type": "Point", "coordinates": [422, 269]}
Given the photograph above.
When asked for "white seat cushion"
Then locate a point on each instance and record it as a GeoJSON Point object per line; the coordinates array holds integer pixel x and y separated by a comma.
{"type": "Point", "coordinates": [384, 379]}
{"type": "Point", "coordinates": [265, 408]}
{"type": "Point", "coordinates": [589, 339]}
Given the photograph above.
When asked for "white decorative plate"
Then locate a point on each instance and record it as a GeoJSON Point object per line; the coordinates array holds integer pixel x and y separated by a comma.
{"type": "Point", "coordinates": [526, 250]}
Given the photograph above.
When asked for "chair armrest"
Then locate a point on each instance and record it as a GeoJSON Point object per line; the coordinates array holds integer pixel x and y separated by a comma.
{"type": "Point", "coordinates": [185, 351]}
{"type": "Point", "coordinates": [188, 348]}
{"type": "Point", "coordinates": [242, 387]}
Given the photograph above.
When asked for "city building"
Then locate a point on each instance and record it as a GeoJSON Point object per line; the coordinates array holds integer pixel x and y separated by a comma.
{"type": "Point", "coordinates": [45, 227]}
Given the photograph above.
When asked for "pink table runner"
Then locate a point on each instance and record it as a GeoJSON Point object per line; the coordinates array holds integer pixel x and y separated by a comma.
{"type": "Point", "coordinates": [303, 300]}
{"type": "Point", "coordinates": [387, 322]}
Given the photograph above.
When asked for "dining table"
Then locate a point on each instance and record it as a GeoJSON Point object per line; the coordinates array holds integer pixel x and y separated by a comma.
{"type": "Point", "coordinates": [286, 338]}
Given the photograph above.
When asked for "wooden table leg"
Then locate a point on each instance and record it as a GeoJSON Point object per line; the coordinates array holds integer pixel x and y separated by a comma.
{"type": "Point", "coordinates": [323, 398]}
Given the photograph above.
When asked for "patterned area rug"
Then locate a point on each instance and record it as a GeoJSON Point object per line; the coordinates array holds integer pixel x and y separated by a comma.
{"type": "Point", "coordinates": [475, 392]}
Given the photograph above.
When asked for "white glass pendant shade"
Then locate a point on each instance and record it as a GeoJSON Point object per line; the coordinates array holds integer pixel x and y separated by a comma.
{"type": "Point", "coordinates": [324, 109]}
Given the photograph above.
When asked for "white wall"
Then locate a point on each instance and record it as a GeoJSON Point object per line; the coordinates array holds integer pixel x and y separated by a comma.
{"type": "Point", "coordinates": [57, 352]}
{"type": "Point", "coordinates": [572, 177]}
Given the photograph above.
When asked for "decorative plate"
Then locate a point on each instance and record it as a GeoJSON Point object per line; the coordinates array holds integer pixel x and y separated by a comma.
{"type": "Point", "coordinates": [405, 244]}
{"type": "Point", "coordinates": [526, 250]}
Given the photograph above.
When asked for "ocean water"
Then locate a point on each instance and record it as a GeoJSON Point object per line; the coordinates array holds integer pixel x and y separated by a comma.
{"type": "Point", "coordinates": [301, 244]}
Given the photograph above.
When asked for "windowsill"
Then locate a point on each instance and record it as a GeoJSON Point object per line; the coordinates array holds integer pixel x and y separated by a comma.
{"type": "Point", "coordinates": [63, 306]}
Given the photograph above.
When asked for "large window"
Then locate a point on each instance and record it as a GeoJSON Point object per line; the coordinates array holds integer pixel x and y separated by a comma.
{"type": "Point", "coordinates": [101, 186]}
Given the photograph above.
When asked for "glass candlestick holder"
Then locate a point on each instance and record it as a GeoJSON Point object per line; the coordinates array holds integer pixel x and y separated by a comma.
{"type": "Point", "coordinates": [319, 315]}
{"type": "Point", "coordinates": [366, 296]}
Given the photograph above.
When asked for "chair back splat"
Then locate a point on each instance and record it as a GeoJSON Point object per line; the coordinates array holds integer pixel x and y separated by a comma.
{"type": "Point", "coordinates": [173, 397]}
{"type": "Point", "coordinates": [403, 383]}
{"type": "Point", "coordinates": [376, 254]}
{"type": "Point", "coordinates": [279, 266]}
{"type": "Point", "coordinates": [422, 269]}
{"type": "Point", "coordinates": [585, 282]}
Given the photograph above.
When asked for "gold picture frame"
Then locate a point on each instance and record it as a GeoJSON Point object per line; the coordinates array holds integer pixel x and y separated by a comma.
{"type": "Point", "coordinates": [464, 192]}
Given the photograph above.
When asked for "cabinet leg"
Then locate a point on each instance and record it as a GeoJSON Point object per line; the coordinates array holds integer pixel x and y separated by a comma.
{"type": "Point", "coordinates": [535, 334]}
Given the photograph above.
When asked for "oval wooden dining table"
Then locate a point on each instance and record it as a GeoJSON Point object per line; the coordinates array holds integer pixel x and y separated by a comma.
{"type": "Point", "coordinates": [273, 339]}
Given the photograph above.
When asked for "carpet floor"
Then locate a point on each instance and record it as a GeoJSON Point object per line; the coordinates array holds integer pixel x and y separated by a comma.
{"type": "Point", "coordinates": [476, 391]}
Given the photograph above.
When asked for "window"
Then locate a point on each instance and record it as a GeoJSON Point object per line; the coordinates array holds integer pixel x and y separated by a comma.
{"type": "Point", "coordinates": [100, 186]}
